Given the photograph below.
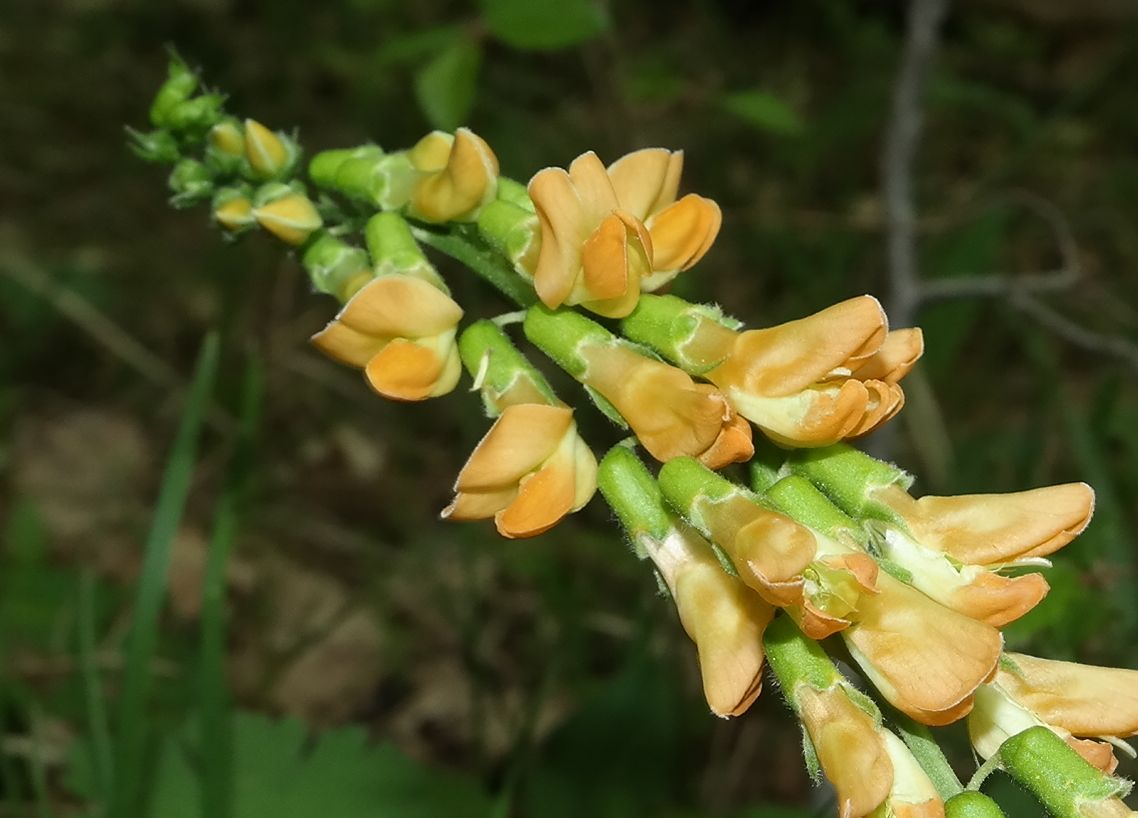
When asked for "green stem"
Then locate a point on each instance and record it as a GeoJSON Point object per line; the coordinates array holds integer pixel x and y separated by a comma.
{"type": "Point", "coordinates": [130, 748]}
{"type": "Point", "coordinates": [215, 736]}
{"type": "Point", "coordinates": [492, 267]}
{"type": "Point", "coordinates": [98, 725]}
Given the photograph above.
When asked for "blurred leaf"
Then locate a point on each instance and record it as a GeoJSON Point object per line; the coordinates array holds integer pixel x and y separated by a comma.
{"type": "Point", "coordinates": [415, 46]}
{"type": "Point", "coordinates": [763, 111]}
{"type": "Point", "coordinates": [543, 27]}
{"type": "Point", "coordinates": [620, 755]}
{"type": "Point", "coordinates": [447, 85]}
{"type": "Point", "coordinates": [33, 592]}
{"type": "Point", "coordinates": [280, 771]}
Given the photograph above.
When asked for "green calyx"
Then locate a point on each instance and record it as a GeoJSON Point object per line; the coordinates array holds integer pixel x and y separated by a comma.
{"type": "Point", "coordinates": [180, 83]}
{"type": "Point", "coordinates": [367, 174]}
{"type": "Point", "coordinates": [634, 495]}
{"type": "Point", "coordinates": [674, 327]}
{"type": "Point", "coordinates": [393, 249]}
{"type": "Point", "coordinates": [796, 659]}
{"type": "Point", "coordinates": [190, 182]}
{"type": "Point", "coordinates": [561, 333]}
{"type": "Point", "coordinates": [1058, 776]}
{"type": "Point", "coordinates": [799, 499]}
{"type": "Point", "coordinates": [512, 231]}
{"type": "Point", "coordinates": [688, 485]}
{"type": "Point", "coordinates": [848, 477]}
{"type": "Point", "coordinates": [504, 375]}
{"type": "Point", "coordinates": [972, 805]}
{"type": "Point", "coordinates": [334, 266]}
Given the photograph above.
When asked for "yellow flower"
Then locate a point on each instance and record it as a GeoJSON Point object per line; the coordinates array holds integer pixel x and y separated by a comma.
{"type": "Point", "coordinates": [400, 330]}
{"type": "Point", "coordinates": [724, 618]}
{"type": "Point", "coordinates": [646, 183]}
{"type": "Point", "coordinates": [269, 155]}
{"type": "Point", "coordinates": [593, 251]}
{"type": "Point", "coordinates": [1077, 702]}
{"type": "Point", "coordinates": [995, 529]}
{"type": "Point", "coordinates": [817, 380]}
{"type": "Point", "coordinates": [233, 212]}
{"type": "Point", "coordinates": [529, 471]}
{"type": "Point", "coordinates": [973, 590]}
{"type": "Point", "coordinates": [292, 218]}
{"type": "Point", "coordinates": [850, 748]}
{"type": "Point", "coordinates": [457, 175]}
{"type": "Point", "coordinates": [670, 414]}
{"type": "Point", "coordinates": [925, 659]}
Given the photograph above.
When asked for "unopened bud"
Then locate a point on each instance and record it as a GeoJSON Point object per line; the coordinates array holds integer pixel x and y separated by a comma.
{"type": "Point", "coordinates": [335, 267]}
{"type": "Point", "coordinates": [190, 182]}
{"type": "Point", "coordinates": [233, 210]}
{"type": "Point", "coordinates": [180, 83]}
{"type": "Point", "coordinates": [225, 150]}
{"type": "Point", "coordinates": [197, 115]}
{"type": "Point", "coordinates": [156, 146]}
{"type": "Point", "coordinates": [271, 155]}
{"type": "Point", "coordinates": [286, 213]}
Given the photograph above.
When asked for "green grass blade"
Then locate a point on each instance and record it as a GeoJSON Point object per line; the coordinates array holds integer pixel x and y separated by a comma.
{"type": "Point", "coordinates": [215, 738]}
{"type": "Point", "coordinates": [98, 725]}
{"type": "Point", "coordinates": [130, 742]}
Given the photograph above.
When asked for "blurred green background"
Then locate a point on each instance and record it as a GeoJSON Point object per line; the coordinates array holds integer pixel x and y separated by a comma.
{"type": "Point", "coordinates": [447, 672]}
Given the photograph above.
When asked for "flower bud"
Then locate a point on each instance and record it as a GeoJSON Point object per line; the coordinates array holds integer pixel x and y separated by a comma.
{"type": "Point", "coordinates": [287, 214]}
{"type": "Point", "coordinates": [457, 176]}
{"type": "Point", "coordinates": [233, 210]}
{"type": "Point", "coordinates": [335, 267]}
{"type": "Point", "coordinates": [196, 116]}
{"type": "Point", "coordinates": [191, 182]}
{"type": "Point", "coordinates": [270, 155]}
{"type": "Point", "coordinates": [225, 148]}
{"type": "Point", "coordinates": [180, 83]}
{"type": "Point", "coordinates": [156, 146]}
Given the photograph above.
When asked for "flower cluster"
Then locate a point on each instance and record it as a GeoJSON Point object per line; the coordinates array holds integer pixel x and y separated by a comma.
{"type": "Point", "coordinates": [825, 542]}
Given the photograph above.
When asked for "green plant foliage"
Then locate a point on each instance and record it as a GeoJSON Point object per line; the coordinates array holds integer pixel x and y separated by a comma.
{"type": "Point", "coordinates": [446, 86]}
{"type": "Point", "coordinates": [764, 111]}
{"type": "Point", "coordinates": [282, 771]}
{"type": "Point", "coordinates": [619, 756]}
{"type": "Point", "coordinates": [535, 26]}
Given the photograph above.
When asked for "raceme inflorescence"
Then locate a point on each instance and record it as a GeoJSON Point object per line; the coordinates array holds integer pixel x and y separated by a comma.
{"type": "Point", "coordinates": [823, 542]}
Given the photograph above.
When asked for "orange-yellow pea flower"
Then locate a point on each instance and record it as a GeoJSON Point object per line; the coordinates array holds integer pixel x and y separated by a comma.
{"type": "Point", "coordinates": [671, 415]}
{"type": "Point", "coordinates": [925, 659]}
{"type": "Point", "coordinates": [850, 748]}
{"type": "Point", "coordinates": [401, 331]}
{"type": "Point", "coordinates": [646, 183]}
{"type": "Point", "coordinates": [801, 382]}
{"type": "Point", "coordinates": [458, 174]}
{"type": "Point", "coordinates": [529, 471]}
{"type": "Point", "coordinates": [995, 529]}
{"type": "Point", "coordinates": [1079, 702]}
{"type": "Point", "coordinates": [593, 251]}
